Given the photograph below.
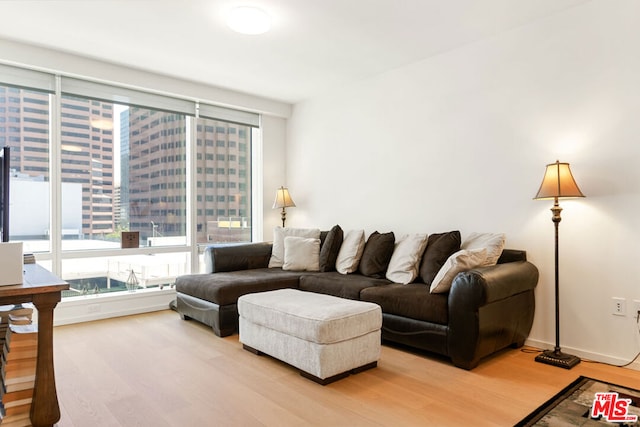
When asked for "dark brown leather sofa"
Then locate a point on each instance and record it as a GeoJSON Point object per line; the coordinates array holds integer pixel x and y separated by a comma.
{"type": "Point", "coordinates": [486, 310]}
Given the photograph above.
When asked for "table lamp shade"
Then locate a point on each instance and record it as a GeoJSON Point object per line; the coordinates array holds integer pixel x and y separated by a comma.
{"type": "Point", "coordinates": [558, 182]}
{"type": "Point", "coordinates": [283, 199]}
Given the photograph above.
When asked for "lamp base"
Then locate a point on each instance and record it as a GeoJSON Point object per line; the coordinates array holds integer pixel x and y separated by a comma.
{"type": "Point", "coordinates": [558, 358]}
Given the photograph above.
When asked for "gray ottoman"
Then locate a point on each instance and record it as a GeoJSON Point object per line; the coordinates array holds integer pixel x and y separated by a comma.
{"type": "Point", "coordinates": [326, 337]}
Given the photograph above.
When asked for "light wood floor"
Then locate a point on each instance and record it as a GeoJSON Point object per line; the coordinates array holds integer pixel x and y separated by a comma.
{"type": "Point", "coordinates": [157, 370]}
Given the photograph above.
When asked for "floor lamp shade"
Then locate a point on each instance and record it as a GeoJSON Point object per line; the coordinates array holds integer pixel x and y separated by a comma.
{"type": "Point", "coordinates": [283, 200]}
{"type": "Point", "coordinates": [558, 182]}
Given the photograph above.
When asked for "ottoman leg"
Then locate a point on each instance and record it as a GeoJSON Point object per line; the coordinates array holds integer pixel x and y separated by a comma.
{"type": "Point", "coordinates": [252, 350]}
{"type": "Point", "coordinates": [324, 381]}
{"type": "Point", "coordinates": [364, 367]}
{"type": "Point", "coordinates": [337, 377]}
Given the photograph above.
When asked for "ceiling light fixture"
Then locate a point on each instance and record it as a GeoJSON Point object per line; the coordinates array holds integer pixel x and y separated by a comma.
{"type": "Point", "coordinates": [249, 20]}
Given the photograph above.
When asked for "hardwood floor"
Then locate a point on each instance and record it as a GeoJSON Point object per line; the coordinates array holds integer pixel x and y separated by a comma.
{"type": "Point", "coordinates": [158, 370]}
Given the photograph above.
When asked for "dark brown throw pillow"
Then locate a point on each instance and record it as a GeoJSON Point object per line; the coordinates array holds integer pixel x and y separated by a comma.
{"type": "Point", "coordinates": [377, 254]}
{"type": "Point", "coordinates": [439, 248]}
{"type": "Point", "coordinates": [330, 248]}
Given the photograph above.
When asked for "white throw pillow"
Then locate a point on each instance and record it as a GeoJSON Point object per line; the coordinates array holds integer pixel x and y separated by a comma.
{"type": "Point", "coordinates": [404, 264]}
{"type": "Point", "coordinates": [462, 260]}
{"type": "Point", "coordinates": [492, 242]}
{"type": "Point", "coordinates": [301, 254]}
{"type": "Point", "coordinates": [279, 233]}
{"type": "Point", "coordinates": [350, 252]}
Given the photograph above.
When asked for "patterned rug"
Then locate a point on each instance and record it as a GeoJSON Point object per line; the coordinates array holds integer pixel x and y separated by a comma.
{"type": "Point", "coordinates": [588, 402]}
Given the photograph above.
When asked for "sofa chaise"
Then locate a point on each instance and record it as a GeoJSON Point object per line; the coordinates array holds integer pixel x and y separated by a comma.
{"type": "Point", "coordinates": [484, 309]}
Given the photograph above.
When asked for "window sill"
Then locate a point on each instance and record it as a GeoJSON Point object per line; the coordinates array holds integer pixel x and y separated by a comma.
{"type": "Point", "coordinates": [103, 306]}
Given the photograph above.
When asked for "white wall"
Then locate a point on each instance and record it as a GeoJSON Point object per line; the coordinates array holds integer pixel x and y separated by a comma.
{"type": "Point", "coordinates": [461, 140]}
{"type": "Point", "coordinates": [273, 171]}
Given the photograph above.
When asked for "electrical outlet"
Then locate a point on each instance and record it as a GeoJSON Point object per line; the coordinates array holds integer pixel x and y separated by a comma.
{"type": "Point", "coordinates": [93, 308]}
{"type": "Point", "coordinates": [619, 306]}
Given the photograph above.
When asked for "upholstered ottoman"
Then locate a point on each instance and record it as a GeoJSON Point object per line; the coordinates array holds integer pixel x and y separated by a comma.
{"type": "Point", "coordinates": [326, 337]}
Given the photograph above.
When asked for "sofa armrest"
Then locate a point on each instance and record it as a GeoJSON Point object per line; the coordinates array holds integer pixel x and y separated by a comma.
{"type": "Point", "coordinates": [233, 257]}
{"type": "Point", "coordinates": [480, 286]}
{"type": "Point", "coordinates": [490, 308]}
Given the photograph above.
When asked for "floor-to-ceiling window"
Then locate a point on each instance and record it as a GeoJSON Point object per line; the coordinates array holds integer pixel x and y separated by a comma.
{"type": "Point", "coordinates": [90, 161]}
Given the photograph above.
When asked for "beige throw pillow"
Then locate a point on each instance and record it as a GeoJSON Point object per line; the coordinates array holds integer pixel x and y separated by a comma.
{"type": "Point", "coordinates": [492, 242]}
{"type": "Point", "coordinates": [350, 252]}
{"type": "Point", "coordinates": [279, 233]}
{"type": "Point", "coordinates": [405, 260]}
{"type": "Point", "coordinates": [462, 260]}
{"type": "Point", "coordinates": [301, 254]}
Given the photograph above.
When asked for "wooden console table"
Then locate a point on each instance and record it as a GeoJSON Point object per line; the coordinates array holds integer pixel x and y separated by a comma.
{"type": "Point", "coordinates": [44, 290]}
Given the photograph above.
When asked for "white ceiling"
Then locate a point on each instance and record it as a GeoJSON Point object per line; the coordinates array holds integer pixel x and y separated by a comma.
{"type": "Point", "coordinates": [313, 45]}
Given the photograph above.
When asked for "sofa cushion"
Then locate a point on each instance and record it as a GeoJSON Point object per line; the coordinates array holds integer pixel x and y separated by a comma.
{"type": "Point", "coordinates": [377, 254]}
{"type": "Point", "coordinates": [330, 248]}
{"type": "Point", "coordinates": [350, 252]}
{"type": "Point", "coordinates": [279, 233]}
{"type": "Point", "coordinates": [403, 267]}
{"type": "Point", "coordinates": [225, 288]}
{"type": "Point", "coordinates": [412, 300]}
{"type": "Point", "coordinates": [339, 285]}
{"type": "Point", "coordinates": [301, 254]}
{"type": "Point", "coordinates": [492, 242]}
{"type": "Point", "coordinates": [440, 247]}
{"type": "Point", "coordinates": [462, 260]}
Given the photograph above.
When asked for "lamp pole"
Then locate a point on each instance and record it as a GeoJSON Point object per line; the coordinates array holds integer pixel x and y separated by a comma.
{"type": "Point", "coordinates": [556, 209]}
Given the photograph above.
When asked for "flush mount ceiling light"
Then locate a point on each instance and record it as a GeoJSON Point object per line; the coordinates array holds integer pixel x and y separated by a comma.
{"type": "Point", "coordinates": [248, 20]}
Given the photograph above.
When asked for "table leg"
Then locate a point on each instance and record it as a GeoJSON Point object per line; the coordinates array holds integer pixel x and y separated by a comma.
{"type": "Point", "coordinates": [44, 406]}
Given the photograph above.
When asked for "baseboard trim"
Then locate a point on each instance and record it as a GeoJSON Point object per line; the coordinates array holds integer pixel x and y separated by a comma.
{"type": "Point", "coordinates": [104, 306]}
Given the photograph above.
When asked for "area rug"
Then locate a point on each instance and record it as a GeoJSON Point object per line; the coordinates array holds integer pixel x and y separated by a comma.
{"type": "Point", "coordinates": [588, 402]}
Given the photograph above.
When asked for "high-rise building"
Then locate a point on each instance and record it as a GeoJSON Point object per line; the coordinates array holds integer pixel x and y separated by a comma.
{"type": "Point", "coordinates": [87, 148]}
{"type": "Point", "coordinates": [87, 157]}
{"type": "Point", "coordinates": [152, 149]}
{"type": "Point", "coordinates": [124, 168]}
{"type": "Point", "coordinates": [157, 176]}
{"type": "Point", "coordinates": [224, 181]}
{"type": "Point", "coordinates": [157, 173]}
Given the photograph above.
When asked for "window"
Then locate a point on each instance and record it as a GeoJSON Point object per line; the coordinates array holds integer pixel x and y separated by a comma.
{"type": "Point", "coordinates": [120, 164]}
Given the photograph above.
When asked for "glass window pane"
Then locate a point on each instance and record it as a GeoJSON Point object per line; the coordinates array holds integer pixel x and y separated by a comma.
{"type": "Point", "coordinates": [153, 170]}
{"type": "Point", "coordinates": [100, 275]}
{"type": "Point", "coordinates": [223, 200]}
{"type": "Point", "coordinates": [24, 126]}
{"type": "Point", "coordinates": [87, 198]}
{"type": "Point", "coordinates": [123, 170]}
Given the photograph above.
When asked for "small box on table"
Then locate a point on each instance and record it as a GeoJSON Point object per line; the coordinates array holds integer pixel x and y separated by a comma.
{"type": "Point", "coordinates": [11, 263]}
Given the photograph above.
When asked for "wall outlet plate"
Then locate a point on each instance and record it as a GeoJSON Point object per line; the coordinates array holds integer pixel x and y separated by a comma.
{"type": "Point", "coordinates": [618, 306]}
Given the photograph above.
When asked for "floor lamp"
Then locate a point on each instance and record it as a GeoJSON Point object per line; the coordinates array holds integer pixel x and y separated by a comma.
{"type": "Point", "coordinates": [557, 183]}
{"type": "Point", "coordinates": [283, 200]}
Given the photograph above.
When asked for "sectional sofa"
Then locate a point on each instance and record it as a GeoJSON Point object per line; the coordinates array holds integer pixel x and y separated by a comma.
{"type": "Point", "coordinates": [461, 299]}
